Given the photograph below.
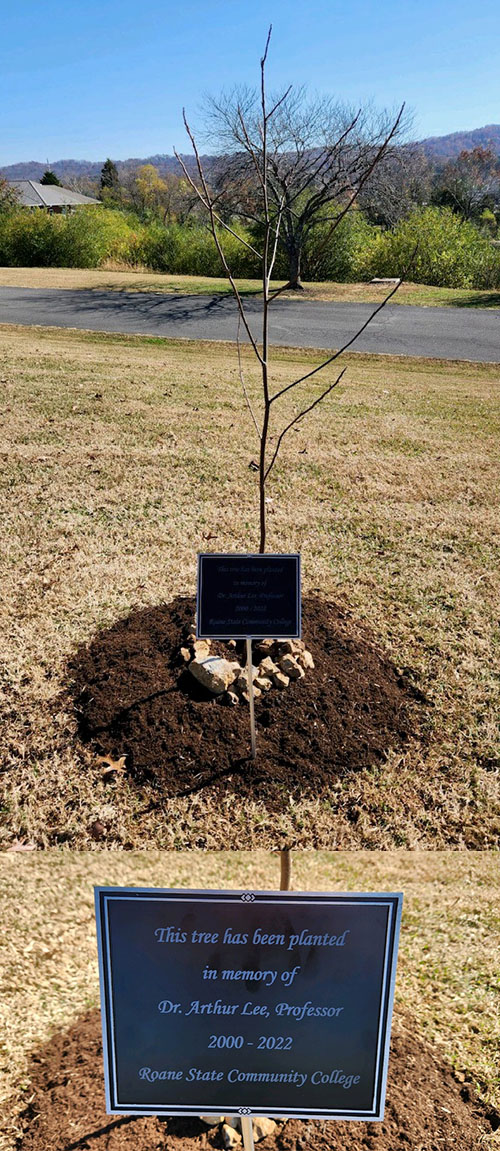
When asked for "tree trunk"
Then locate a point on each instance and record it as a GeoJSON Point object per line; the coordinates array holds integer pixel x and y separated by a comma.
{"type": "Point", "coordinates": [294, 280]}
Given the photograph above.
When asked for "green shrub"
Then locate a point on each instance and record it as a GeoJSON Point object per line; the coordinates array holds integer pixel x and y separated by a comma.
{"type": "Point", "coordinates": [83, 239]}
{"type": "Point", "coordinates": [29, 239]}
{"type": "Point", "coordinates": [93, 235]}
{"type": "Point", "coordinates": [90, 237]}
{"type": "Point", "coordinates": [450, 252]}
{"type": "Point", "coordinates": [190, 250]}
{"type": "Point", "coordinates": [339, 256]}
{"type": "Point", "coordinates": [488, 222]}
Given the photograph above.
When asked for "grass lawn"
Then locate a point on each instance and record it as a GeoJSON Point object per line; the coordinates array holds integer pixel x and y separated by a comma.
{"type": "Point", "coordinates": [143, 281]}
{"type": "Point", "coordinates": [123, 456]}
{"type": "Point", "coordinates": [446, 987]}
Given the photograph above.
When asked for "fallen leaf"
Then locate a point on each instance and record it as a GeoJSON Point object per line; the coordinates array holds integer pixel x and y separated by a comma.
{"type": "Point", "coordinates": [112, 766]}
{"type": "Point", "coordinates": [19, 846]}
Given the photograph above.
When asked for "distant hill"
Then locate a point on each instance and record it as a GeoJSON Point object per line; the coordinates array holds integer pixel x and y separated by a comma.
{"type": "Point", "coordinates": [449, 147]}
{"type": "Point", "coordinates": [435, 147]}
{"type": "Point", "coordinates": [68, 170]}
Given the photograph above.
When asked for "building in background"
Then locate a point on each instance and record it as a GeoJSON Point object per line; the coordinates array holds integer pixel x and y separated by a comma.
{"type": "Point", "coordinates": [50, 197]}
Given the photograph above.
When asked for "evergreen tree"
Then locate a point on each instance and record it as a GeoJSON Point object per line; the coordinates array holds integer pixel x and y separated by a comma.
{"type": "Point", "coordinates": [109, 176]}
{"type": "Point", "coordinates": [50, 178]}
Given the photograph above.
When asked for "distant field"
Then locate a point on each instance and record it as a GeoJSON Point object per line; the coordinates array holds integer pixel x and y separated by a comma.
{"type": "Point", "coordinates": [122, 456]}
{"type": "Point", "coordinates": [446, 987]}
{"type": "Point", "coordinates": [141, 281]}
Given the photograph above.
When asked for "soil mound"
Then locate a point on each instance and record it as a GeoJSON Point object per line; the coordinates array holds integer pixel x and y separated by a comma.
{"type": "Point", "coordinates": [134, 697]}
{"type": "Point", "coordinates": [426, 1108]}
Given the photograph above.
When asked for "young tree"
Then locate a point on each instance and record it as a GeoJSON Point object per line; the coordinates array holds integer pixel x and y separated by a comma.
{"type": "Point", "coordinates": [275, 205]}
{"type": "Point", "coordinates": [50, 177]}
{"type": "Point", "coordinates": [320, 154]}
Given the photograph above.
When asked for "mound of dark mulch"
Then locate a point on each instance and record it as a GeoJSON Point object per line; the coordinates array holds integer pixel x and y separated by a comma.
{"type": "Point", "coordinates": [134, 697]}
{"type": "Point", "coordinates": [426, 1110]}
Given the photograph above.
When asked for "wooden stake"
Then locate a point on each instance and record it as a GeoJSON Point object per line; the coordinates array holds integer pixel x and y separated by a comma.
{"type": "Point", "coordinates": [253, 736]}
{"type": "Point", "coordinates": [247, 1132]}
{"type": "Point", "coordinates": [286, 868]}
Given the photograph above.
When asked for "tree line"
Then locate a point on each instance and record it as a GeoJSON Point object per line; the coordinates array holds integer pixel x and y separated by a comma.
{"type": "Point", "coordinates": [350, 194]}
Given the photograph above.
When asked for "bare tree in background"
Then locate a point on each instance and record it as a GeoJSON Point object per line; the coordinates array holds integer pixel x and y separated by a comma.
{"type": "Point", "coordinates": [320, 154]}
{"type": "Point", "coordinates": [470, 183]}
{"type": "Point", "coordinates": [401, 182]}
{"type": "Point", "coordinates": [263, 136]}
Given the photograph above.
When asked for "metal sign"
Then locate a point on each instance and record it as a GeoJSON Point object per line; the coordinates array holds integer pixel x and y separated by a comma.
{"type": "Point", "coordinates": [225, 1002]}
{"type": "Point", "coordinates": [248, 596]}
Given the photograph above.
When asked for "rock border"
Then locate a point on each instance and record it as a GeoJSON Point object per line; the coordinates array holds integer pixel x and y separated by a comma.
{"type": "Point", "coordinates": [281, 661]}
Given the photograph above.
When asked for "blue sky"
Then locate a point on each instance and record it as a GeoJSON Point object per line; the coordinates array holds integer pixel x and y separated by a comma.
{"type": "Point", "coordinates": [109, 77]}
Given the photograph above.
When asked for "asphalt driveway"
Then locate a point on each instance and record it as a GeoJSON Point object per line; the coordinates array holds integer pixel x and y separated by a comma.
{"type": "Point", "coordinates": [443, 333]}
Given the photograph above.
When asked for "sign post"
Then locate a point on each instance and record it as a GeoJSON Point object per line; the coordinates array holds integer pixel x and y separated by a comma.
{"type": "Point", "coordinates": [251, 702]}
{"type": "Point", "coordinates": [246, 1002]}
{"type": "Point", "coordinates": [247, 1132]}
{"type": "Point", "coordinates": [250, 597]}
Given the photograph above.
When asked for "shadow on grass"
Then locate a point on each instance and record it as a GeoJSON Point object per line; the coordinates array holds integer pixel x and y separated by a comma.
{"type": "Point", "coordinates": [476, 300]}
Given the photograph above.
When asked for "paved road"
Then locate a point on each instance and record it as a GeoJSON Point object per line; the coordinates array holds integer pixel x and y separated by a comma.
{"type": "Point", "coordinates": [445, 333]}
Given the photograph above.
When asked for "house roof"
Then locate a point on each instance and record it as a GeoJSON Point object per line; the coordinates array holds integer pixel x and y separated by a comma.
{"type": "Point", "coordinates": [32, 194]}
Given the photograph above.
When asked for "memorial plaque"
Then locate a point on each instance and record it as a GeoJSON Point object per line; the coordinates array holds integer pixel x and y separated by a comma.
{"type": "Point", "coordinates": [248, 596]}
{"type": "Point", "coordinates": [224, 1002]}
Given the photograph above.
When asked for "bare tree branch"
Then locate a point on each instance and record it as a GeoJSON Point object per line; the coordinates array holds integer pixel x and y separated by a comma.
{"type": "Point", "coordinates": [216, 238]}
{"type": "Point", "coordinates": [348, 344]}
{"type": "Point", "coordinates": [300, 416]}
{"type": "Point", "coordinates": [210, 207]}
{"type": "Point", "coordinates": [377, 158]}
{"type": "Point", "coordinates": [242, 380]}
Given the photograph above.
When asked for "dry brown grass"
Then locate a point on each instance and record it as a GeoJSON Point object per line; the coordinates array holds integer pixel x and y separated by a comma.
{"type": "Point", "coordinates": [448, 967]}
{"type": "Point", "coordinates": [141, 280]}
{"type": "Point", "coordinates": [120, 455]}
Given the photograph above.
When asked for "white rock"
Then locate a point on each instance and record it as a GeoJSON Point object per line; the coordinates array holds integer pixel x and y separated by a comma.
{"type": "Point", "coordinates": [230, 1137]}
{"type": "Point", "coordinates": [290, 667]}
{"type": "Point", "coordinates": [201, 648]}
{"type": "Point", "coordinates": [298, 645]}
{"type": "Point", "coordinates": [263, 682]}
{"type": "Point", "coordinates": [212, 1120]}
{"type": "Point", "coordinates": [280, 679]}
{"type": "Point", "coordinates": [186, 654]}
{"type": "Point", "coordinates": [231, 698]}
{"type": "Point", "coordinates": [232, 1121]}
{"type": "Point", "coordinates": [213, 673]}
{"type": "Point", "coordinates": [305, 659]}
{"type": "Point", "coordinates": [243, 675]}
{"type": "Point", "coordinates": [267, 666]}
{"type": "Point", "coordinates": [262, 1127]}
